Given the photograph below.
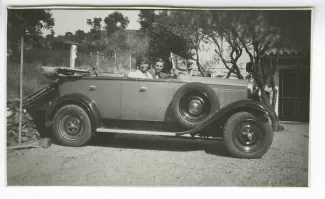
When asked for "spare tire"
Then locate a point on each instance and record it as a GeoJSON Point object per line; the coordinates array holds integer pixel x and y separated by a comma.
{"type": "Point", "coordinates": [193, 103]}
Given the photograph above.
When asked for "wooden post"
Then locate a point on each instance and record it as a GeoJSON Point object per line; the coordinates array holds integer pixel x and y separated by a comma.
{"type": "Point", "coordinates": [73, 55]}
{"type": "Point", "coordinates": [97, 60]}
{"type": "Point", "coordinates": [130, 61]}
{"type": "Point", "coordinates": [107, 61]}
{"type": "Point", "coordinates": [21, 88]}
{"type": "Point", "coordinates": [115, 59]}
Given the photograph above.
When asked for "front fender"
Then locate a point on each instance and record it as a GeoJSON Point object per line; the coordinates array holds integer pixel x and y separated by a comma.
{"type": "Point", "coordinates": [222, 115]}
{"type": "Point", "coordinates": [77, 99]}
{"type": "Point", "coordinates": [251, 106]}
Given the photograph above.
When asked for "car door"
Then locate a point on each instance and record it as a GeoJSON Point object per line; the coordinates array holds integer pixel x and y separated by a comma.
{"type": "Point", "coordinates": [154, 97]}
{"type": "Point", "coordinates": [104, 91]}
{"type": "Point", "coordinates": [129, 99]}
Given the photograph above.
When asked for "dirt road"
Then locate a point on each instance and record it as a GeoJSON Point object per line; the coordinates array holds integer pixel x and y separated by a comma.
{"type": "Point", "coordinates": [131, 160]}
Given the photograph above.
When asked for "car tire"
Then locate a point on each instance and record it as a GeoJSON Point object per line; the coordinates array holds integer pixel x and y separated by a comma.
{"type": "Point", "coordinates": [72, 126]}
{"type": "Point", "coordinates": [246, 136]}
{"type": "Point", "coordinates": [193, 103]}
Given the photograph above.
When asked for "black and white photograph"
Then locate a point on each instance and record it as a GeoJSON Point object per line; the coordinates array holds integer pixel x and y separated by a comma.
{"type": "Point", "coordinates": [158, 96]}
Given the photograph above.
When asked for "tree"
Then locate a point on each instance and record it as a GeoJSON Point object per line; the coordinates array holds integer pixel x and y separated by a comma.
{"type": "Point", "coordinates": [115, 21]}
{"type": "Point", "coordinates": [137, 43]}
{"type": "Point", "coordinates": [49, 39]}
{"type": "Point", "coordinates": [80, 35]}
{"type": "Point", "coordinates": [95, 31]}
{"type": "Point", "coordinates": [220, 29]}
{"type": "Point", "coordinates": [28, 23]}
{"type": "Point", "coordinates": [187, 25]}
{"type": "Point", "coordinates": [95, 24]}
{"type": "Point", "coordinates": [146, 19]}
{"type": "Point", "coordinates": [177, 32]}
{"type": "Point", "coordinates": [69, 35]}
{"type": "Point", "coordinates": [259, 32]}
{"type": "Point", "coordinates": [162, 41]}
{"type": "Point", "coordinates": [208, 27]}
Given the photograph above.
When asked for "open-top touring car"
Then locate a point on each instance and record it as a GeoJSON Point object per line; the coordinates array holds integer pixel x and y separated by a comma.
{"type": "Point", "coordinates": [78, 105]}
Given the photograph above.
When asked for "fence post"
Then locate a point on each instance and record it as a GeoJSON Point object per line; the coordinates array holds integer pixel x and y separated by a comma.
{"type": "Point", "coordinates": [73, 55]}
{"type": "Point", "coordinates": [21, 88]}
{"type": "Point", "coordinates": [115, 60]}
{"type": "Point", "coordinates": [97, 60]}
{"type": "Point", "coordinates": [130, 61]}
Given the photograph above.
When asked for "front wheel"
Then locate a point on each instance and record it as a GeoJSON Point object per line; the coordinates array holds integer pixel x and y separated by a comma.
{"type": "Point", "coordinates": [246, 136]}
{"type": "Point", "coordinates": [72, 126]}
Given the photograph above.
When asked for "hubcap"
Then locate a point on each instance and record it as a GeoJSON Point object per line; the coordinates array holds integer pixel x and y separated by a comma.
{"type": "Point", "coordinates": [248, 136]}
{"type": "Point", "coordinates": [71, 127]}
{"type": "Point", "coordinates": [195, 107]}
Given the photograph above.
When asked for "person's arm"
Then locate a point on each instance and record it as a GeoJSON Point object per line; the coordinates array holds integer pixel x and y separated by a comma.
{"type": "Point", "coordinates": [135, 74]}
{"type": "Point", "coordinates": [173, 74]}
{"type": "Point", "coordinates": [166, 76]}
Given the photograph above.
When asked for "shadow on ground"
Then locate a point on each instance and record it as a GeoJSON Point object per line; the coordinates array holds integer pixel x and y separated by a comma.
{"type": "Point", "coordinates": [146, 142]}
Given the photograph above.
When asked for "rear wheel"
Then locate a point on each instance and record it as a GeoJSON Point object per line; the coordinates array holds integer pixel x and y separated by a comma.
{"type": "Point", "coordinates": [246, 136]}
{"type": "Point", "coordinates": [72, 126]}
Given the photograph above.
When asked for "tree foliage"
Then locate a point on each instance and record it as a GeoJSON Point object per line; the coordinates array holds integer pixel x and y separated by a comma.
{"type": "Point", "coordinates": [114, 22]}
{"type": "Point", "coordinates": [186, 25]}
{"type": "Point", "coordinates": [28, 23]}
{"type": "Point", "coordinates": [146, 19]}
{"type": "Point", "coordinates": [162, 39]}
{"type": "Point", "coordinates": [96, 27]}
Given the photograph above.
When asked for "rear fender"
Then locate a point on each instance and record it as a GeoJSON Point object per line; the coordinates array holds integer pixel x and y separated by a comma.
{"type": "Point", "coordinates": [78, 99]}
{"type": "Point", "coordinates": [222, 115]}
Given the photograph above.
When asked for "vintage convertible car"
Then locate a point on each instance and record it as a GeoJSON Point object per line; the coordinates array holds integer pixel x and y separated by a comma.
{"type": "Point", "coordinates": [79, 105]}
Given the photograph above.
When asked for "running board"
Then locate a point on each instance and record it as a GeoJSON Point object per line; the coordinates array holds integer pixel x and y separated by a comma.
{"type": "Point", "coordinates": [140, 132]}
{"type": "Point", "coordinates": [157, 133]}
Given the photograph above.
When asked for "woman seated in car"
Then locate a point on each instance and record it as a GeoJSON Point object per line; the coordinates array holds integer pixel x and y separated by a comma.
{"type": "Point", "coordinates": [142, 70]}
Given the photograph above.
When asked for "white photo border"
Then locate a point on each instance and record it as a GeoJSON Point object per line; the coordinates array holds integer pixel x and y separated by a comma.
{"type": "Point", "coordinates": [316, 148]}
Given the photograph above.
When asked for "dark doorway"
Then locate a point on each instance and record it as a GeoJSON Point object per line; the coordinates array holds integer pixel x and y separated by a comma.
{"type": "Point", "coordinates": [294, 95]}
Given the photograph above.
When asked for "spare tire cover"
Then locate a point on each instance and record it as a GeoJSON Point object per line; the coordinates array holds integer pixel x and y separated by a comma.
{"type": "Point", "coordinates": [193, 103]}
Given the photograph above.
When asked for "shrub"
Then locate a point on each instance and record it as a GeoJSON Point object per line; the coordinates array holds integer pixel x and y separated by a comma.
{"type": "Point", "coordinates": [32, 79]}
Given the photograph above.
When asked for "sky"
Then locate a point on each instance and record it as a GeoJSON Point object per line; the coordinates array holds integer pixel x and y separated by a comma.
{"type": "Point", "coordinates": [72, 20]}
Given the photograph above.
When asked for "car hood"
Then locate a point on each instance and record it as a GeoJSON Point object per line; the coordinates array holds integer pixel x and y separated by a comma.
{"type": "Point", "coordinates": [210, 80]}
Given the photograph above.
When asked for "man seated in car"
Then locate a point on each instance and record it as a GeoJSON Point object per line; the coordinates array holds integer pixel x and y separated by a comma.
{"type": "Point", "coordinates": [142, 70]}
{"type": "Point", "coordinates": [158, 68]}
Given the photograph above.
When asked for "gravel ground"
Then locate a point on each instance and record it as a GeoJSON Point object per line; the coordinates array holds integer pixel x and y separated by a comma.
{"type": "Point", "coordinates": [133, 160]}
